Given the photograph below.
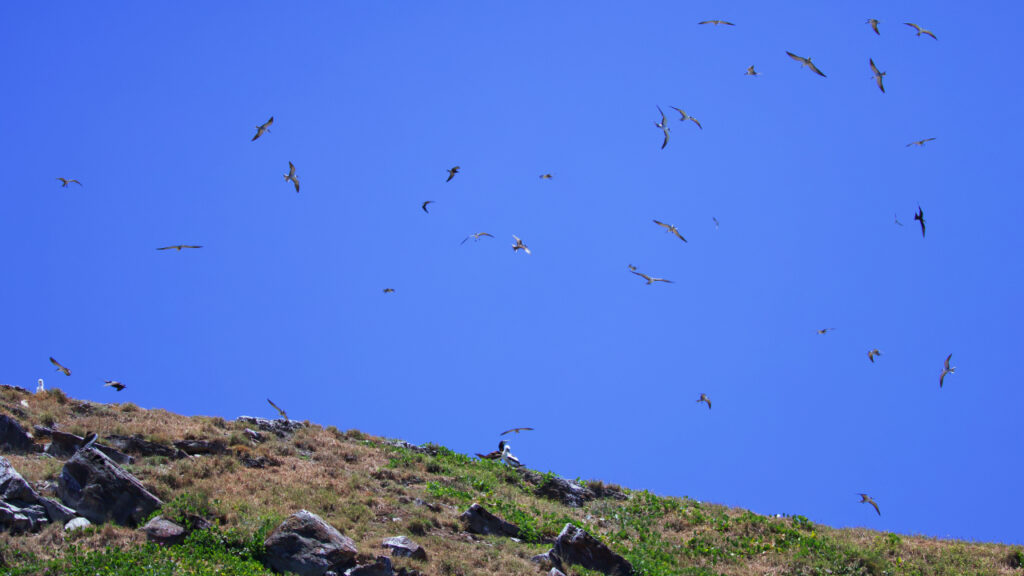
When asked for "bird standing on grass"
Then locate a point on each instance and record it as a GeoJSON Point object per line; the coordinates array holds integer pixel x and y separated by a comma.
{"type": "Point", "coordinates": [40, 387]}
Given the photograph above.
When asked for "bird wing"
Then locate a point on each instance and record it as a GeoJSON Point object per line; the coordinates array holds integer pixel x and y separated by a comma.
{"type": "Point", "coordinates": [291, 170]}
{"type": "Point", "coordinates": [929, 32]}
{"type": "Point", "coordinates": [874, 25]}
{"type": "Point", "coordinates": [276, 407]}
{"type": "Point", "coordinates": [516, 430]}
{"type": "Point", "coordinates": [663, 121]}
{"type": "Point", "coordinates": [697, 122]}
{"type": "Point", "coordinates": [815, 68]}
{"type": "Point", "coordinates": [874, 68]}
{"type": "Point", "coordinates": [425, 206]}
{"type": "Point", "coordinates": [295, 181]}
{"type": "Point", "coordinates": [946, 363]}
{"type": "Point", "coordinates": [167, 248]}
{"type": "Point", "coordinates": [795, 57]}
{"type": "Point", "coordinates": [680, 236]}
{"type": "Point", "coordinates": [485, 234]}
{"type": "Point", "coordinates": [75, 181]}
{"type": "Point", "coordinates": [661, 280]}
{"type": "Point", "coordinates": [914, 26]}
{"type": "Point", "coordinates": [490, 456]}
{"type": "Point", "coordinates": [872, 502]}
{"type": "Point", "coordinates": [878, 80]}
{"type": "Point", "coordinates": [660, 223]}
{"type": "Point", "coordinates": [927, 140]}
{"type": "Point", "coordinates": [665, 142]}
{"type": "Point", "coordinates": [59, 367]}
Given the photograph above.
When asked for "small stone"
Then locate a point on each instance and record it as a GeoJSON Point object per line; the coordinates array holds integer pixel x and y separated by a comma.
{"type": "Point", "coordinates": [403, 546]}
{"type": "Point", "coordinates": [380, 567]}
{"type": "Point", "coordinates": [164, 532]}
{"type": "Point", "coordinates": [76, 524]}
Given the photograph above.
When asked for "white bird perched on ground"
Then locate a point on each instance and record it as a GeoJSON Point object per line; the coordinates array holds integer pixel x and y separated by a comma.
{"type": "Point", "coordinates": [508, 458]}
{"type": "Point", "coordinates": [40, 387]}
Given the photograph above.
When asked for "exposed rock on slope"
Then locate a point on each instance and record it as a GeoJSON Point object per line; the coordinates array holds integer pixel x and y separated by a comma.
{"type": "Point", "coordinates": [100, 490]}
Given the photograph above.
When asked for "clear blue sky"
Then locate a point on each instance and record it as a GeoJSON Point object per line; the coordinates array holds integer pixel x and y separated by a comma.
{"type": "Point", "coordinates": [152, 107]}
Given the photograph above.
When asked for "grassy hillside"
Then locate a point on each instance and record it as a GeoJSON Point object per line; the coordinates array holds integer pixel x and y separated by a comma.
{"type": "Point", "coordinates": [371, 489]}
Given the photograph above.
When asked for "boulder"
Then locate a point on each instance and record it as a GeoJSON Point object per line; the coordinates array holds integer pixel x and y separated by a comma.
{"type": "Point", "coordinates": [21, 508]}
{"type": "Point", "coordinates": [64, 445]}
{"type": "Point", "coordinates": [575, 546]}
{"type": "Point", "coordinates": [194, 447]}
{"type": "Point", "coordinates": [142, 447]}
{"type": "Point", "coordinates": [480, 521]}
{"type": "Point", "coordinates": [253, 435]}
{"type": "Point", "coordinates": [403, 546]}
{"type": "Point", "coordinates": [280, 428]}
{"type": "Point", "coordinates": [381, 567]}
{"type": "Point", "coordinates": [164, 532]}
{"type": "Point", "coordinates": [13, 437]}
{"type": "Point", "coordinates": [97, 488]}
{"type": "Point", "coordinates": [560, 489]}
{"type": "Point", "coordinates": [546, 561]}
{"type": "Point", "coordinates": [77, 524]}
{"type": "Point", "coordinates": [308, 546]}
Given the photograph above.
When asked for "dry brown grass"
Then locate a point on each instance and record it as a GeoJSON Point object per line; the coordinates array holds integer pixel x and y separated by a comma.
{"type": "Point", "coordinates": [345, 478]}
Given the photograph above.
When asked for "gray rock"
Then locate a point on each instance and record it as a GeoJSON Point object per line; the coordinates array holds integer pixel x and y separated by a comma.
{"type": "Point", "coordinates": [13, 520]}
{"type": "Point", "coordinates": [575, 546]}
{"type": "Point", "coordinates": [560, 489]}
{"type": "Point", "coordinates": [381, 567]}
{"type": "Point", "coordinates": [280, 428]}
{"type": "Point", "coordinates": [480, 521]}
{"type": "Point", "coordinates": [64, 445]}
{"type": "Point", "coordinates": [142, 447]}
{"type": "Point", "coordinates": [13, 437]}
{"type": "Point", "coordinates": [556, 572]}
{"type": "Point", "coordinates": [77, 524]}
{"type": "Point", "coordinates": [546, 561]}
{"type": "Point", "coordinates": [403, 546]}
{"type": "Point", "coordinates": [308, 546]}
{"type": "Point", "coordinates": [14, 488]}
{"type": "Point", "coordinates": [194, 447]}
{"type": "Point", "coordinates": [253, 435]}
{"type": "Point", "coordinates": [56, 511]}
{"type": "Point", "coordinates": [164, 532]}
{"type": "Point", "coordinates": [100, 490]}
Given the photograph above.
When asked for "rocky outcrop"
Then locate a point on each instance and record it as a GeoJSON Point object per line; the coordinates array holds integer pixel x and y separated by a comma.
{"type": "Point", "coordinates": [575, 546]}
{"type": "Point", "coordinates": [141, 447]}
{"type": "Point", "coordinates": [480, 521]}
{"type": "Point", "coordinates": [560, 489]}
{"type": "Point", "coordinates": [100, 490]}
{"type": "Point", "coordinates": [21, 508]}
{"type": "Point", "coordinates": [381, 567]}
{"type": "Point", "coordinates": [201, 447]}
{"type": "Point", "coordinates": [13, 437]}
{"type": "Point", "coordinates": [164, 532]}
{"type": "Point", "coordinates": [308, 546]}
{"type": "Point", "coordinates": [280, 428]}
{"type": "Point", "coordinates": [64, 445]}
{"type": "Point", "coordinates": [403, 546]}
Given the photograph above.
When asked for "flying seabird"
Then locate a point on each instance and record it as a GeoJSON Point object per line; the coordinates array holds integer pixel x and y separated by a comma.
{"type": "Point", "coordinates": [40, 387]}
{"type": "Point", "coordinates": [664, 128]}
{"type": "Point", "coordinates": [65, 181]}
{"type": "Point", "coordinates": [424, 206]}
{"type": "Point", "coordinates": [686, 117]}
{"type": "Point", "coordinates": [516, 430]}
{"type": "Point", "coordinates": [650, 279]}
{"type": "Point", "coordinates": [872, 354]}
{"type": "Point", "coordinates": [920, 30]}
{"type": "Point", "coordinates": [389, 290]}
{"type": "Point", "coordinates": [66, 371]}
{"type": "Point", "coordinates": [751, 72]}
{"type": "Point", "coordinates": [519, 245]}
{"type": "Point", "coordinates": [115, 385]}
{"type": "Point", "coordinates": [874, 25]}
{"type": "Point", "coordinates": [291, 176]}
{"type": "Point", "coordinates": [178, 247]}
{"type": "Point", "coordinates": [476, 237]}
{"type": "Point", "coordinates": [806, 62]}
{"type": "Point", "coordinates": [546, 176]}
{"type": "Point", "coordinates": [825, 330]}
{"type": "Point", "coordinates": [897, 219]}
{"type": "Point", "coordinates": [279, 411]}
{"type": "Point", "coordinates": [919, 142]}
{"type": "Point", "coordinates": [704, 398]}
{"type": "Point", "coordinates": [670, 228]}
{"type": "Point", "coordinates": [715, 221]}
{"type": "Point", "coordinates": [452, 172]}
{"type": "Point", "coordinates": [865, 499]}
{"type": "Point", "coordinates": [920, 216]}
{"type": "Point", "coordinates": [878, 75]}
{"type": "Point", "coordinates": [946, 369]}
{"type": "Point", "coordinates": [716, 22]}
{"type": "Point", "coordinates": [265, 127]}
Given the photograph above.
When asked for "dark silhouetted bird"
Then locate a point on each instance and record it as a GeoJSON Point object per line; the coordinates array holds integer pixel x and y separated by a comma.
{"type": "Point", "coordinates": [670, 228]}
{"type": "Point", "coordinates": [516, 430]}
{"type": "Point", "coordinates": [66, 371]}
{"type": "Point", "coordinates": [946, 369]}
{"type": "Point", "coordinates": [919, 142]}
{"type": "Point", "coordinates": [704, 398]}
{"type": "Point", "coordinates": [115, 385]}
{"type": "Point", "coordinates": [751, 72]}
{"type": "Point", "coordinates": [921, 30]}
{"type": "Point", "coordinates": [874, 25]}
{"type": "Point", "coordinates": [65, 181]}
{"type": "Point", "coordinates": [878, 75]}
{"type": "Point", "coordinates": [452, 172]}
{"type": "Point", "coordinates": [424, 206]}
{"type": "Point", "coordinates": [806, 62]}
{"type": "Point", "coordinates": [389, 290]}
{"type": "Point", "coordinates": [265, 127]}
{"type": "Point", "coordinates": [872, 354]}
{"type": "Point", "coordinates": [291, 176]}
{"type": "Point", "coordinates": [920, 217]}
{"type": "Point", "coordinates": [664, 128]}
{"type": "Point", "coordinates": [178, 247]}
{"type": "Point", "coordinates": [276, 407]}
{"type": "Point", "coordinates": [717, 22]}
{"type": "Point", "coordinates": [865, 499]}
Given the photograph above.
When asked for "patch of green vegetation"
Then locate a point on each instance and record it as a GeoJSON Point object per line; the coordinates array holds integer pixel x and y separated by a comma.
{"type": "Point", "coordinates": [442, 491]}
{"type": "Point", "coordinates": [186, 507]}
{"type": "Point", "coordinates": [205, 552]}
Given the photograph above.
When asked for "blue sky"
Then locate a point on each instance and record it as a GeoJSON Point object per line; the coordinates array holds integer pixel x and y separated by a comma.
{"type": "Point", "coordinates": [152, 107]}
